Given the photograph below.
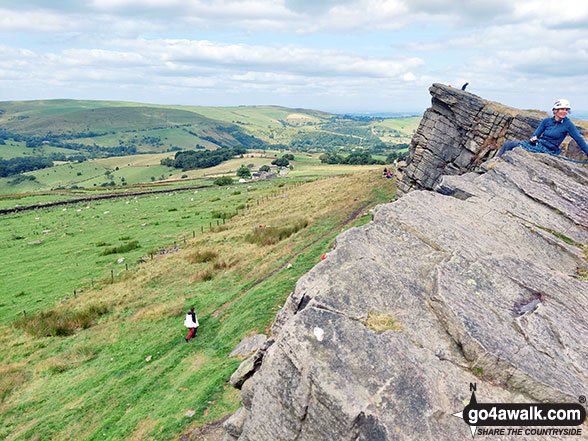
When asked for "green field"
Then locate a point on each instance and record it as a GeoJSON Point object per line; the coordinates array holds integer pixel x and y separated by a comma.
{"type": "Point", "coordinates": [14, 149]}
{"type": "Point", "coordinates": [128, 374]}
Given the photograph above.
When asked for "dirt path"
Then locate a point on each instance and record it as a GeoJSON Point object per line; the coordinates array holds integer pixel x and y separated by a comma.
{"type": "Point", "coordinates": [209, 432]}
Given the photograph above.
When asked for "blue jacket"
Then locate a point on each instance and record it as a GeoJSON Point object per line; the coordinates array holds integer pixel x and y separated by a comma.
{"type": "Point", "coordinates": [552, 133]}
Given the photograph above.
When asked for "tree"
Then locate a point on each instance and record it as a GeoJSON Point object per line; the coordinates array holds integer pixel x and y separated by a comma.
{"type": "Point", "coordinates": [264, 168]}
{"type": "Point", "coordinates": [223, 180]}
{"type": "Point", "coordinates": [244, 172]}
{"type": "Point", "coordinates": [281, 162]}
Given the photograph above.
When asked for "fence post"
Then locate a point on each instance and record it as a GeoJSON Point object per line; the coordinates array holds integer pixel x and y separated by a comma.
{"type": "Point", "coordinates": [193, 234]}
{"type": "Point", "coordinates": [111, 276]}
{"type": "Point", "coordinates": [24, 312]}
{"type": "Point", "coordinates": [202, 228]}
{"type": "Point", "coordinates": [75, 294]}
{"type": "Point", "coordinates": [92, 280]}
{"type": "Point", "coordinates": [127, 266]}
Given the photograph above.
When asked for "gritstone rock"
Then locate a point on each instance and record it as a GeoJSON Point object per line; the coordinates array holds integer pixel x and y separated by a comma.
{"type": "Point", "coordinates": [481, 281]}
{"type": "Point", "coordinates": [460, 131]}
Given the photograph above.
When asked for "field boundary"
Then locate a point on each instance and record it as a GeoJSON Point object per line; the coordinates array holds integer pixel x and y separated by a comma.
{"type": "Point", "coordinates": [97, 198]}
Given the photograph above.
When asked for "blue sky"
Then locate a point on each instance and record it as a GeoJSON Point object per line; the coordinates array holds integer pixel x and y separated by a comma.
{"type": "Point", "coordinates": [338, 56]}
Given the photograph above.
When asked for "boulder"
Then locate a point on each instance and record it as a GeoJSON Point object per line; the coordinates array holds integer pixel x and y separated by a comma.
{"type": "Point", "coordinates": [460, 131]}
{"type": "Point", "coordinates": [480, 283]}
{"type": "Point", "coordinates": [248, 345]}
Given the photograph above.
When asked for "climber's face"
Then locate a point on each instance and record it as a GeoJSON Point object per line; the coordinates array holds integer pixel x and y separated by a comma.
{"type": "Point", "coordinates": [560, 113]}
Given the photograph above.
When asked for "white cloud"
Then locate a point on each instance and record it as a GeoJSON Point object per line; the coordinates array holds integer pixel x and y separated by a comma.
{"type": "Point", "coordinates": [38, 20]}
{"type": "Point", "coordinates": [285, 49]}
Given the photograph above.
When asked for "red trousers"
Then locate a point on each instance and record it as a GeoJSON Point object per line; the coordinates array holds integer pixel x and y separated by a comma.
{"type": "Point", "coordinates": [192, 333]}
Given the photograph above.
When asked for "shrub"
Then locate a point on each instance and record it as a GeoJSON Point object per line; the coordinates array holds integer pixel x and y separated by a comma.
{"type": "Point", "coordinates": [220, 265]}
{"type": "Point", "coordinates": [124, 238]}
{"type": "Point", "coordinates": [173, 209]}
{"type": "Point", "coordinates": [235, 193]}
{"type": "Point", "coordinates": [264, 168]}
{"type": "Point", "coordinates": [60, 322]}
{"type": "Point", "coordinates": [223, 180]}
{"type": "Point", "coordinates": [201, 256]}
{"type": "Point", "coordinates": [121, 248]}
{"type": "Point", "coordinates": [101, 243]}
{"type": "Point", "coordinates": [222, 215]}
{"type": "Point", "coordinates": [272, 235]}
{"type": "Point", "coordinates": [205, 275]}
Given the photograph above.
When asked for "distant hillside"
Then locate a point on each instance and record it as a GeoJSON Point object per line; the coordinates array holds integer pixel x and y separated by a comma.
{"type": "Point", "coordinates": [103, 128]}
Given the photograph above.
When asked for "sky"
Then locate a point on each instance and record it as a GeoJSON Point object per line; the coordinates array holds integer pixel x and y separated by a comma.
{"type": "Point", "coordinates": [345, 56]}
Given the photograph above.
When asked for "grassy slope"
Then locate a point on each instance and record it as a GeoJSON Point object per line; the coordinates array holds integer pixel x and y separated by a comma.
{"type": "Point", "coordinates": [98, 384]}
{"type": "Point", "coordinates": [14, 149]}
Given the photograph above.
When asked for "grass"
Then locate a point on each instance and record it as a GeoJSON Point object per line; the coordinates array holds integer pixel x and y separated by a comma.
{"type": "Point", "coordinates": [380, 322]}
{"type": "Point", "coordinates": [263, 235]}
{"type": "Point", "coordinates": [97, 382]}
{"type": "Point", "coordinates": [132, 245]}
{"type": "Point", "coordinates": [561, 236]}
{"type": "Point", "coordinates": [60, 322]}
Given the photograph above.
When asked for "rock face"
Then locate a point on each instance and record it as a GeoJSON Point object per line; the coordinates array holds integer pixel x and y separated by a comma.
{"type": "Point", "coordinates": [483, 280]}
{"type": "Point", "coordinates": [462, 130]}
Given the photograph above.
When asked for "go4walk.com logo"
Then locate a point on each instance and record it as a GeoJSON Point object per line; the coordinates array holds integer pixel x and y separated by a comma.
{"type": "Point", "coordinates": [501, 419]}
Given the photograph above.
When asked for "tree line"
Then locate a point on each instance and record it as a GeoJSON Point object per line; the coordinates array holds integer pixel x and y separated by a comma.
{"type": "Point", "coordinates": [358, 158]}
{"type": "Point", "coordinates": [193, 159]}
{"type": "Point", "coordinates": [11, 167]}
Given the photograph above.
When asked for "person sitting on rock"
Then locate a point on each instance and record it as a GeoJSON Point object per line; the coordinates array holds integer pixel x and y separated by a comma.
{"type": "Point", "coordinates": [550, 133]}
{"type": "Point", "coordinates": [191, 322]}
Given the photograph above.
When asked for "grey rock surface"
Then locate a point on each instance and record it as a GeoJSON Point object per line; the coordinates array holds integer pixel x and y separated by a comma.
{"type": "Point", "coordinates": [481, 281]}
{"type": "Point", "coordinates": [248, 345]}
{"type": "Point", "coordinates": [460, 131]}
{"type": "Point", "coordinates": [234, 425]}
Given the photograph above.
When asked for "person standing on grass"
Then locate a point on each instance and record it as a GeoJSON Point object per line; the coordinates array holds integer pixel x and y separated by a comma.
{"type": "Point", "coordinates": [191, 322]}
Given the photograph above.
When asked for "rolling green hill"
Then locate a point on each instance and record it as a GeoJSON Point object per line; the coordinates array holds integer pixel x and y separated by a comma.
{"type": "Point", "coordinates": [101, 125]}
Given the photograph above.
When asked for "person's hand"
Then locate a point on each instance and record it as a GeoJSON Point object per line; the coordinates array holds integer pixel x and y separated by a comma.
{"type": "Point", "coordinates": [534, 138]}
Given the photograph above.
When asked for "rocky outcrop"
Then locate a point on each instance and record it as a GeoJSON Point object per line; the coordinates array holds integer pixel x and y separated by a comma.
{"type": "Point", "coordinates": [483, 281]}
{"type": "Point", "coordinates": [460, 131]}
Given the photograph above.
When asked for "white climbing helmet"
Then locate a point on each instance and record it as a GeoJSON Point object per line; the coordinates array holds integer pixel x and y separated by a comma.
{"type": "Point", "coordinates": [562, 104]}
